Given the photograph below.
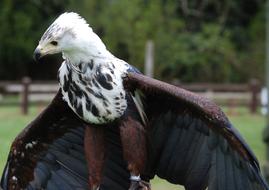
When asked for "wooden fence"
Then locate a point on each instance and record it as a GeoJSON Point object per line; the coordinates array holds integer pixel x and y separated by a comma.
{"type": "Point", "coordinates": [230, 95]}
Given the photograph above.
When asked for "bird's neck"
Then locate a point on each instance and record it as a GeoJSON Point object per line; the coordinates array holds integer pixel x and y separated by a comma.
{"type": "Point", "coordinates": [77, 57]}
{"type": "Point", "coordinates": [90, 46]}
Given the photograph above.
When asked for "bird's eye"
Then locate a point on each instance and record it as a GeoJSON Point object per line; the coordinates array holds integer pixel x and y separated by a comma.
{"type": "Point", "coordinates": [55, 43]}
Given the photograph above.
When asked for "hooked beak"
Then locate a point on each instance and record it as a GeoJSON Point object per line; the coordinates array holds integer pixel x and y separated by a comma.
{"type": "Point", "coordinates": [37, 54]}
{"type": "Point", "coordinates": [40, 52]}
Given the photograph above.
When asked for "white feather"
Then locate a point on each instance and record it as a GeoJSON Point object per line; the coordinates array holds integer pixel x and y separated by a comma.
{"type": "Point", "coordinates": [139, 105]}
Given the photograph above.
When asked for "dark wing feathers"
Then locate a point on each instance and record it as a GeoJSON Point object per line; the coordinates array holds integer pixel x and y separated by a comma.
{"type": "Point", "coordinates": [180, 100]}
{"type": "Point", "coordinates": [116, 176]}
{"type": "Point", "coordinates": [4, 178]}
{"type": "Point", "coordinates": [197, 159]}
{"type": "Point", "coordinates": [55, 158]}
{"type": "Point", "coordinates": [49, 153]}
{"type": "Point", "coordinates": [192, 141]}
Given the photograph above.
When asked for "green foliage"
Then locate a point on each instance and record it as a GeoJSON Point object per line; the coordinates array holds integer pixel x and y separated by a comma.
{"type": "Point", "coordinates": [254, 58]}
{"type": "Point", "coordinates": [191, 45]}
{"type": "Point", "coordinates": [194, 40]}
{"type": "Point", "coordinates": [21, 27]}
{"type": "Point", "coordinates": [196, 56]}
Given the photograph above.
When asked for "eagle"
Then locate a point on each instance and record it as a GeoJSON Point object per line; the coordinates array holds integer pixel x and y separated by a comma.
{"type": "Point", "coordinates": [109, 127]}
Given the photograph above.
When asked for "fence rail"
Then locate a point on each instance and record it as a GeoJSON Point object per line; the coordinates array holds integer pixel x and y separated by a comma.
{"type": "Point", "coordinates": [224, 94]}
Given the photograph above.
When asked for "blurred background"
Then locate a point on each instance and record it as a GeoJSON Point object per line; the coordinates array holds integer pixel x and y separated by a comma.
{"type": "Point", "coordinates": [215, 48]}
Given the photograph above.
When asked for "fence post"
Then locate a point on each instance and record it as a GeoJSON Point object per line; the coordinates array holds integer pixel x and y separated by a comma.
{"type": "Point", "coordinates": [149, 59]}
{"type": "Point", "coordinates": [254, 89]}
{"type": "Point", "coordinates": [25, 95]}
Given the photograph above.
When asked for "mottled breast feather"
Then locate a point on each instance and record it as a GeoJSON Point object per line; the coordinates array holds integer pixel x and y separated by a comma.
{"type": "Point", "coordinates": [94, 90]}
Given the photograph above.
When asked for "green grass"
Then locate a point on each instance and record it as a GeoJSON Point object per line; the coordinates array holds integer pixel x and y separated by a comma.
{"type": "Point", "coordinates": [12, 122]}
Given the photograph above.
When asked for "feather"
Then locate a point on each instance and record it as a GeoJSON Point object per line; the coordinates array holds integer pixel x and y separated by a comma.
{"type": "Point", "coordinates": [140, 107]}
{"type": "Point", "coordinates": [191, 142]}
{"type": "Point", "coordinates": [206, 134]}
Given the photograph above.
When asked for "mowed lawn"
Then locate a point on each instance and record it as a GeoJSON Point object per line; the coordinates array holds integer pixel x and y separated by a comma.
{"type": "Point", "coordinates": [12, 122]}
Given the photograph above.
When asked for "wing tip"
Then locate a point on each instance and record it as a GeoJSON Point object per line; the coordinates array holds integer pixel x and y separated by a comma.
{"type": "Point", "coordinates": [4, 179]}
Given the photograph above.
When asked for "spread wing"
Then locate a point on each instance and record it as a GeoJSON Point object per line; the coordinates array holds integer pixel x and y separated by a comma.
{"type": "Point", "coordinates": [192, 143]}
{"type": "Point", "coordinates": [49, 154]}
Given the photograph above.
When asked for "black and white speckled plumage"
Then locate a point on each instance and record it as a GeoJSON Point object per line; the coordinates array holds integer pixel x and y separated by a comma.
{"type": "Point", "coordinates": [94, 89]}
{"type": "Point", "coordinates": [90, 76]}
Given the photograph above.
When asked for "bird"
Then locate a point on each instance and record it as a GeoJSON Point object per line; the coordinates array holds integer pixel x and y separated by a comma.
{"type": "Point", "coordinates": [111, 127]}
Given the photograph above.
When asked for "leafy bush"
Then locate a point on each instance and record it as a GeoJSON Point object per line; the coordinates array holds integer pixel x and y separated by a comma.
{"type": "Point", "coordinates": [220, 41]}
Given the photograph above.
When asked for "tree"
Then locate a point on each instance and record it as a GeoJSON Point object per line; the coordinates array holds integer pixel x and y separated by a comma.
{"type": "Point", "coordinates": [22, 24]}
{"type": "Point", "coordinates": [193, 39]}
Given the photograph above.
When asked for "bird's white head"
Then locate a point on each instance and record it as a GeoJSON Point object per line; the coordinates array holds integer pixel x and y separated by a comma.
{"type": "Point", "coordinates": [71, 35]}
